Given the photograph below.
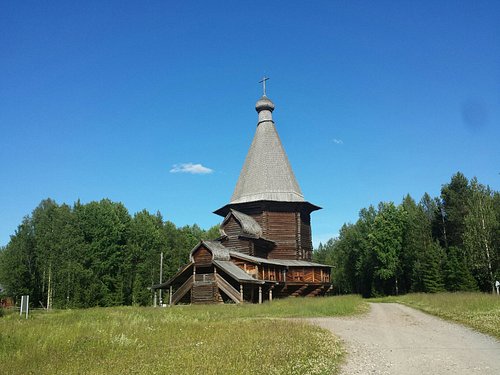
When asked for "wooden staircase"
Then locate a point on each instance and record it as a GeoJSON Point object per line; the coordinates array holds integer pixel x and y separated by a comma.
{"type": "Point", "coordinates": [299, 291]}
{"type": "Point", "coordinates": [316, 291]}
{"type": "Point", "coordinates": [181, 292]}
{"type": "Point", "coordinates": [228, 289]}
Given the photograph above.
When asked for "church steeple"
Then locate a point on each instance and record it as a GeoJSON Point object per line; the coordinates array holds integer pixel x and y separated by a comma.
{"type": "Point", "coordinates": [266, 174]}
{"type": "Point", "coordinates": [268, 192]}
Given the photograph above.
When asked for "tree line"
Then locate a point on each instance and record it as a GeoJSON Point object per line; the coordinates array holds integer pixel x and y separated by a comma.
{"type": "Point", "coordinates": [93, 254]}
{"type": "Point", "coordinates": [446, 243]}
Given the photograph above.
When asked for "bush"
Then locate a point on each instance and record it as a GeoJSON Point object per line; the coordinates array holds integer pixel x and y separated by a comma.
{"type": "Point", "coordinates": [2, 313]}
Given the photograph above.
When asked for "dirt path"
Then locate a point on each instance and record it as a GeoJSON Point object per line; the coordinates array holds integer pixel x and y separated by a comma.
{"type": "Point", "coordinates": [395, 339]}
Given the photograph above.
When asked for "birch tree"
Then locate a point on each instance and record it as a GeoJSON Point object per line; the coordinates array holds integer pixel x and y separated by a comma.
{"type": "Point", "coordinates": [480, 223]}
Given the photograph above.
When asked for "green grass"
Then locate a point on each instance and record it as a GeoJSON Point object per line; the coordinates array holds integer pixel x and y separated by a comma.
{"type": "Point", "coordinates": [221, 339]}
{"type": "Point", "coordinates": [476, 310]}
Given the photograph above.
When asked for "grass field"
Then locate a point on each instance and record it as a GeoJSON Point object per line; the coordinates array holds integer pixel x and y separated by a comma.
{"type": "Point", "coordinates": [477, 310]}
{"type": "Point", "coordinates": [221, 339]}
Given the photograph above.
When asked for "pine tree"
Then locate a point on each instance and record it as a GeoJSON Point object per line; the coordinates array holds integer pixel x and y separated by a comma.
{"type": "Point", "coordinates": [457, 276]}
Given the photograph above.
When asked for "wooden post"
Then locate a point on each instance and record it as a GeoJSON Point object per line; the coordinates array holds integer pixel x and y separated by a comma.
{"type": "Point", "coordinates": [270, 294]}
{"type": "Point", "coordinates": [241, 292]}
{"type": "Point", "coordinates": [161, 278]}
{"type": "Point", "coordinates": [154, 301]}
{"type": "Point", "coordinates": [260, 294]}
{"type": "Point", "coordinates": [170, 296]}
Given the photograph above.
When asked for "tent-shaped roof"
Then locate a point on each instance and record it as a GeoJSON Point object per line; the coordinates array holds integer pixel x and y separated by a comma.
{"type": "Point", "coordinates": [266, 174]}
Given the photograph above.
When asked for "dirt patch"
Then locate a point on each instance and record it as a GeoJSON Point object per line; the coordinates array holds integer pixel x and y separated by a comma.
{"type": "Point", "coordinates": [396, 339]}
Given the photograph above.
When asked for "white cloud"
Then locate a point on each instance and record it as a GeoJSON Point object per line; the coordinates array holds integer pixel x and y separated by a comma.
{"type": "Point", "coordinates": [190, 168]}
{"type": "Point", "coordinates": [338, 141]}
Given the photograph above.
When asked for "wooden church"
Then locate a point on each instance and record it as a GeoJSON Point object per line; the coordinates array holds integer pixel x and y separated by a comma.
{"type": "Point", "coordinates": [265, 247]}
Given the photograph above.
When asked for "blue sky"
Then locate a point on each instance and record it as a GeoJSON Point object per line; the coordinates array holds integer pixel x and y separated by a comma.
{"type": "Point", "coordinates": [374, 100]}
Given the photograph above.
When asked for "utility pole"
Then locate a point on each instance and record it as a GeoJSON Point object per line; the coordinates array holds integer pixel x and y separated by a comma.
{"type": "Point", "coordinates": [161, 277]}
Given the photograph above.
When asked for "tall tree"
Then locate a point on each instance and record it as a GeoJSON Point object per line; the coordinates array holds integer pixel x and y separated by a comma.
{"type": "Point", "coordinates": [480, 225]}
{"type": "Point", "coordinates": [457, 275]}
{"type": "Point", "coordinates": [104, 227]}
{"type": "Point", "coordinates": [386, 242]}
{"type": "Point", "coordinates": [362, 251]}
{"type": "Point", "coordinates": [146, 241]}
{"type": "Point", "coordinates": [18, 263]}
{"type": "Point", "coordinates": [415, 236]}
{"type": "Point", "coordinates": [454, 197]}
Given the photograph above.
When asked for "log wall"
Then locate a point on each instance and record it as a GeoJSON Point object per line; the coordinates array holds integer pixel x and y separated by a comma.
{"type": "Point", "coordinates": [306, 236]}
{"type": "Point", "coordinates": [232, 229]}
{"type": "Point", "coordinates": [202, 256]}
{"type": "Point", "coordinates": [284, 224]}
{"type": "Point", "coordinates": [282, 228]}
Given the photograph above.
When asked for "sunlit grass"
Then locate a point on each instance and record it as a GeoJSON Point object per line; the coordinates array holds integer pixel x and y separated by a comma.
{"type": "Point", "coordinates": [221, 339]}
{"type": "Point", "coordinates": [477, 310]}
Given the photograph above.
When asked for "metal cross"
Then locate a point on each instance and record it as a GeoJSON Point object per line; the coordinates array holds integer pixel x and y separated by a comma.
{"type": "Point", "coordinates": [263, 81]}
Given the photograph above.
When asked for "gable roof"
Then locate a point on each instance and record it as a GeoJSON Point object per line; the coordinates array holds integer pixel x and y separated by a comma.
{"type": "Point", "coordinates": [219, 251]}
{"type": "Point", "coordinates": [249, 227]}
{"type": "Point", "coordinates": [266, 173]}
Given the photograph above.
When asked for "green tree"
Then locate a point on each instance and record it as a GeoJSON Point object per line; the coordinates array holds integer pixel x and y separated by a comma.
{"type": "Point", "coordinates": [454, 197]}
{"type": "Point", "coordinates": [427, 269]}
{"type": "Point", "coordinates": [480, 225]}
{"type": "Point", "coordinates": [18, 271]}
{"type": "Point", "coordinates": [58, 245]}
{"type": "Point", "coordinates": [421, 258]}
{"type": "Point", "coordinates": [212, 233]}
{"type": "Point", "coordinates": [104, 226]}
{"type": "Point", "coordinates": [496, 234]}
{"type": "Point", "coordinates": [457, 276]}
{"type": "Point", "coordinates": [386, 240]}
{"type": "Point", "coordinates": [146, 241]}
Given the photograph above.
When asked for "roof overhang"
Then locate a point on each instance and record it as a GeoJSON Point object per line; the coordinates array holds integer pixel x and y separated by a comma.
{"type": "Point", "coordinates": [268, 205]}
{"type": "Point", "coordinates": [170, 281]}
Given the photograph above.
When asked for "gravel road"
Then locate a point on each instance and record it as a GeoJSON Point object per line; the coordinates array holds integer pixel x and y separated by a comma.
{"type": "Point", "coordinates": [395, 339]}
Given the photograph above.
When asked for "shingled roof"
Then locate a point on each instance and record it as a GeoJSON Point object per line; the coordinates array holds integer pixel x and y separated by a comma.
{"type": "Point", "coordinates": [266, 174]}
{"type": "Point", "coordinates": [249, 227]}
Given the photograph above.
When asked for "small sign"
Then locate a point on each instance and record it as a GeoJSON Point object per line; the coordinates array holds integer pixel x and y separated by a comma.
{"type": "Point", "coordinates": [25, 300]}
